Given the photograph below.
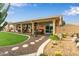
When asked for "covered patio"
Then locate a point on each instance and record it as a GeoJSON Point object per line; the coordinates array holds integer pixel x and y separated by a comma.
{"type": "Point", "coordinates": [42, 25]}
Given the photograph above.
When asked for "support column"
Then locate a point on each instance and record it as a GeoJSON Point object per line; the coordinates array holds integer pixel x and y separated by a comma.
{"type": "Point", "coordinates": [32, 27]}
{"type": "Point", "coordinates": [54, 26]}
{"type": "Point", "coordinates": [60, 22]}
{"type": "Point", "coordinates": [14, 27]}
{"type": "Point", "coordinates": [8, 27]}
{"type": "Point", "coordinates": [26, 27]}
{"type": "Point", "coordinates": [21, 28]}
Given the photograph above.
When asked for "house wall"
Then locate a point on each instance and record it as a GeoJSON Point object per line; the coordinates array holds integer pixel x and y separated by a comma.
{"type": "Point", "coordinates": [9, 28]}
{"type": "Point", "coordinates": [58, 29]}
{"type": "Point", "coordinates": [40, 25]}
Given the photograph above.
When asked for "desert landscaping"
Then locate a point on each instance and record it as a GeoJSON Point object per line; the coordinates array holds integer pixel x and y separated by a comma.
{"type": "Point", "coordinates": [66, 46]}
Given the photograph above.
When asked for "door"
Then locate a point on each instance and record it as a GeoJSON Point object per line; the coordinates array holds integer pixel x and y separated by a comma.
{"type": "Point", "coordinates": [48, 28]}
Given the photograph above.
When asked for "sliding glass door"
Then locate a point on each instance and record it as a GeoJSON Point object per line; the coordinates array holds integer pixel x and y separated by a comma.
{"type": "Point", "coordinates": [48, 28]}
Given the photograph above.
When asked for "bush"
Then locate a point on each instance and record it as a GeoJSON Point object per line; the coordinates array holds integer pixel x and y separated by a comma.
{"type": "Point", "coordinates": [43, 55]}
{"type": "Point", "coordinates": [64, 35]}
{"type": "Point", "coordinates": [58, 53]}
{"type": "Point", "coordinates": [54, 37]}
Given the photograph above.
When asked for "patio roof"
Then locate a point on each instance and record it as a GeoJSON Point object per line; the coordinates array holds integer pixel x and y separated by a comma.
{"type": "Point", "coordinates": [38, 20]}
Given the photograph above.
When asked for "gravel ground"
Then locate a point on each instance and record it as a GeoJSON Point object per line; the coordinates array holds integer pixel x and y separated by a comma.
{"type": "Point", "coordinates": [66, 46]}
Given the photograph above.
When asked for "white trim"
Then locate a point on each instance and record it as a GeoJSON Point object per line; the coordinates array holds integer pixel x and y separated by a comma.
{"type": "Point", "coordinates": [41, 48]}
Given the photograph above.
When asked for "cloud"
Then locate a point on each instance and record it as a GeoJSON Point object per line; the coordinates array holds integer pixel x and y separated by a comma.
{"type": "Point", "coordinates": [71, 11]}
{"type": "Point", "coordinates": [18, 4]}
{"type": "Point", "coordinates": [23, 4]}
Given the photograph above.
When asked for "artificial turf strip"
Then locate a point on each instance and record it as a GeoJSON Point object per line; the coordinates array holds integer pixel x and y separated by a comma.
{"type": "Point", "coordinates": [7, 39]}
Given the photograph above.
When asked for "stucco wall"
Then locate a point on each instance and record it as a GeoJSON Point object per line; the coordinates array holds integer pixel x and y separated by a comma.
{"type": "Point", "coordinates": [58, 29]}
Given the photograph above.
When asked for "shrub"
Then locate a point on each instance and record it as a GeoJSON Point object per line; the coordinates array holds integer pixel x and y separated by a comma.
{"type": "Point", "coordinates": [43, 54]}
{"type": "Point", "coordinates": [64, 35]}
{"type": "Point", "coordinates": [54, 37]}
{"type": "Point", "coordinates": [58, 53]}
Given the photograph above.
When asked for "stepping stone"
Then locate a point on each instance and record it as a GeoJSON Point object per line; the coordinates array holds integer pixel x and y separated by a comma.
{"type": "Point", "coordinates": [15, 48]}
{"type": "Point", "coordinates": [6, 52]}
{"type": "Point", "coordinates": [41, 37]}
{"type": "Point", "coordinates": [36, 40]}
{"type": "Point", "coordinates": [25, 45]}
{"type": "Point", "coordinates": [32, 43]}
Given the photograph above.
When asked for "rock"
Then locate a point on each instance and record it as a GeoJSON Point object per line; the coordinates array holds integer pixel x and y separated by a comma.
{"type": "Point", "coordinates": [77, 40]}
{"type": "Point", "coordinates": [15, 48]}
{"type": "Point", "coordinates": [77, 45]}
{"type": "Point", "coordinates": [60, 36]}
{"type": "Point", "coordinates": [6, 52]}
{"type": "Point", "coordinates": [32, 43]}
{"type": "Point", "coordinates": [74, 39]}
{"type": "Point", "coordinates": [54, 43]}
{"type": "Point", "coordinates": [36, 40]}
{"type": "Point", "coordinates": [25, 45]}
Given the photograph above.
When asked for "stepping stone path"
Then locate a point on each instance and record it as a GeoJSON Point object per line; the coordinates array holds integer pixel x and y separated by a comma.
{"type": "Point", "coordinates": [36, 40]}
{"type": "Point", "coordinates": [32, 43]}
{"type": "Point", "coordinates": [19, 48]}
{"type": "Point", "coordinates": [1, 53]}
{"type": "Point", "coordinates": [15, 48]}
{"type": "Point", "coordinates": [25, 45]}
{"type": "Point", "coordinates": [6, 52]}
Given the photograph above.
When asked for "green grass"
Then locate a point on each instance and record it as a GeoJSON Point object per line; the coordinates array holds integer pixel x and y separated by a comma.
{"type": "Point", "coordinates": [7, 39]}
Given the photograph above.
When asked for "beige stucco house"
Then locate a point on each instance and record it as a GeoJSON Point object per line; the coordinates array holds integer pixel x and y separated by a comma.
{"type": "Point", "coordinates": [49, 25]}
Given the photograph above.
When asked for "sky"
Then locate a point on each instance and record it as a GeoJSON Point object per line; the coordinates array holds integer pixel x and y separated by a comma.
{"type": "Point", "coordinates": [28, 11]}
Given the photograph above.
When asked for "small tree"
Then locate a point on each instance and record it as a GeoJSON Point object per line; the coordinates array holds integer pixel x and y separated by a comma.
{"type": "Point", "coordinates": [3, 14]}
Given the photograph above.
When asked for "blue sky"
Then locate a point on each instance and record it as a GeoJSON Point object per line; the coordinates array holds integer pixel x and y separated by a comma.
{"type": "Point", "coordinates": [27, 11]}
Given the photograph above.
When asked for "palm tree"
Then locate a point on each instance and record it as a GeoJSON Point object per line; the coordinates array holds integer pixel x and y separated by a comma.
{"type": "Point", "coordinates": [3, 14]}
